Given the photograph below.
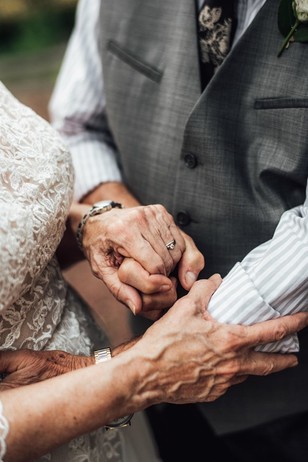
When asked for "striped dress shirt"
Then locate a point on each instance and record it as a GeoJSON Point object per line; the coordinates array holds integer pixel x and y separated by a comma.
{"type": "Point", "coordinates": [272, 279]}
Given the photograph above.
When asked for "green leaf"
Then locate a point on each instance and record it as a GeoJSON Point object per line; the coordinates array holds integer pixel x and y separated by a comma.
{"type": "Point", "coordinates": [286, 17]}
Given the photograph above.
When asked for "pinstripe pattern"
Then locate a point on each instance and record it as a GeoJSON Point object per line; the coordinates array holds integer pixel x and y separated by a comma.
{"type": "Point", "coordinates": [272, 280]}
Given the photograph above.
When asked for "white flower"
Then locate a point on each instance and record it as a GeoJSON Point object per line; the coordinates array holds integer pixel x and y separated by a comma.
{"type": "Point", "coordinates": [300, 8]}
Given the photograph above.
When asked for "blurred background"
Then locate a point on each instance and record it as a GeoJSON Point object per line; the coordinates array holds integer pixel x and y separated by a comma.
{"type": "Point", "coordinates": [33, 38]}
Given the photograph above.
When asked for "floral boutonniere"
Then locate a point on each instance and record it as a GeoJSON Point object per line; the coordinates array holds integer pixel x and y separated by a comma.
{"type": "Point", "coordinates": [293, 22]}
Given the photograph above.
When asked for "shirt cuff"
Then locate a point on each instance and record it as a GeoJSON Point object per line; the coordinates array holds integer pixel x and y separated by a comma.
{"type": "Point", "coordinates": [237, 301]}
{"type": "Point", "coordinates": [94, 163]}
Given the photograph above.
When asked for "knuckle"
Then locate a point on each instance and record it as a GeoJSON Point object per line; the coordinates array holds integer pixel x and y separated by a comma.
{"type": "Point", "coordinates": [95, 268]}
{"type": "Point", "coordinates": [193, 304]}
{"type": "Point", "coordinates": [200, 260]}
{"type": "Point", "coordinates": [112, 227]}
{"type": "Point", "coordinates": [280, 332]}
{"type": "Point", "coordinates": [160, 208]}
{"type": "Point", "coordinates": [233, 368]}
{"type": "Point", "coordinates": [268, 368]}
{"type": "Point", "coordinates": [138, 212]}
{"type": "Point", "coordinates": [122, 274]}
{"type": "Point", "coordinates": [230, 342]}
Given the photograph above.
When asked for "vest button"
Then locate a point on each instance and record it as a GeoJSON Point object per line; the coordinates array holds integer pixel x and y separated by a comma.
{"type": "Point", "coordinates": [183, 218]}
{"type": "Point", "coordinates": [190, 160]}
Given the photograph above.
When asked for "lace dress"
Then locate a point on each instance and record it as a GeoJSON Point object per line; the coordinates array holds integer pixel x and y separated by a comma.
{"type": "Point", "coordinates": [38, 310]}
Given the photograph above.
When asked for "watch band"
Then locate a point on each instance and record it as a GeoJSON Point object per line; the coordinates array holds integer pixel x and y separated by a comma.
{"type": "Point", "coordinates": [96, 209]}
{"type": "Point", "coordinates": [100, 356]}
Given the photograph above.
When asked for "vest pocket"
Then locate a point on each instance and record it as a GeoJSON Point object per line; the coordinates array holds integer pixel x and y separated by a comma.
{"type": "Point", "coordinates": [281, 103]}
{"type": "Point", "coordinates": [134, 61]}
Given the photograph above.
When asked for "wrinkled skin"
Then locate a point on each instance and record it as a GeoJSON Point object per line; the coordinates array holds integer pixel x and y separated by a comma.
{"type": "Point", "coordinates": [205, 357]}
{"type": "Point", "coordinates": [185, 356]}
{"type": "Point", "coordinates": [27, 366]}
{"type": "Point", "coordinates": [141, 233]}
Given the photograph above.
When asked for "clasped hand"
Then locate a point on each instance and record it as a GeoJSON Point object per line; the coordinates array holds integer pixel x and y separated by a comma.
{"type": "Point", "coordinates": [126, 248]}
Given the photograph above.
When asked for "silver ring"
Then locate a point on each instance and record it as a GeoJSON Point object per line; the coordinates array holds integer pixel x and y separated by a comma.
{"type": "Point", "coordinates": [171, 244]}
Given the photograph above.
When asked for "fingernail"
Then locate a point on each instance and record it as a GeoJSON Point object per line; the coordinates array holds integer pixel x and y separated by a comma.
{"type": "Point", "coordinates": [165, 288]}
{"type": "Point", "coordinates": [190, 277]}
{"type": "Point", "coordinates": [132, 307]}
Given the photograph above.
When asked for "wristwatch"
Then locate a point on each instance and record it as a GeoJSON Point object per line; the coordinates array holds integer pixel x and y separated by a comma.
{"type": "Point", "coordinates": [96, 209]}
{"type": "Point", "coordinates": [104, 355]}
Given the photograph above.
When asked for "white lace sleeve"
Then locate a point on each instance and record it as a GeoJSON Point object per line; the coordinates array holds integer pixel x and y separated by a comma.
{"type": "Point", "coordinates": [36, 182]}
{"type": "Point", "coordinates": [4, 429]}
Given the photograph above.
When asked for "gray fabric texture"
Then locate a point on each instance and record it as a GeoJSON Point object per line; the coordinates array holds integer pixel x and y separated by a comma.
{"type": "Point", "coordinates": [248, 132]}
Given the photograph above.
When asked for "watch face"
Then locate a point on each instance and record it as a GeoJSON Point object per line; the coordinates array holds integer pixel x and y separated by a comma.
{"type": "Point", "coordinates": [121, 422]}
{"type": "Point", "coordinates": [103, 204]}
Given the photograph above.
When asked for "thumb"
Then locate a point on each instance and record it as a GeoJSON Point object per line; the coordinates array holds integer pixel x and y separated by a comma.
{"type": "Point", "coordinates": [191, 263]}
{"type": "Point", "coordinates": [203, 290]}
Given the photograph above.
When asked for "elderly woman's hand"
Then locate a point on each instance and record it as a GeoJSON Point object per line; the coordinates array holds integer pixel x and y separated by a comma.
{"type": "Point", "coordinates": [27, 366]}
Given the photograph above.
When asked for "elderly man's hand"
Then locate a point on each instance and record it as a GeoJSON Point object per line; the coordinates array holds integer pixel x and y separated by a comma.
{"type": "Point", "coordinates": [27, 366]}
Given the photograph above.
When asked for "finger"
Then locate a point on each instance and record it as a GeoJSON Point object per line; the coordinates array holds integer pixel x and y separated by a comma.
{"type": "Point", "coordinates": [203, 290]}
{"type": "Point", "coordinates": [109, 275]}
{"type": "Point", "coordinates": [11, 361]}
{"type": "Point", "coordinates": [132, 273]}
{"type": "Point", "coordinates": [274, 330]}
{"type": "Point", "coordinates": [159, 301]}
{"type": "Point", "coordinates": [139, 233]}
{"type": "Point", "coordinates": [158, 229]}
{"type": "Point", "coordinates": [238, 379]}
{"type": "Point", "coordinates": [7, 362]}
{"type": "Point", "coordinates": [124, 293]}
{"type": "Point", "coordinates": [191, 263]}
{"type": "Point", "coordinates": [7, 386]}
{"type": "Point", "coordinates": [153, 315]}
{"type": "Point", "coordinates": [125, 233]}
{"type": "Point", "coordinates": [221, 389]}
{"type": "Point", "coordinates": [267, 363]}
{"type": "Point", "coordinates": [167, 232]}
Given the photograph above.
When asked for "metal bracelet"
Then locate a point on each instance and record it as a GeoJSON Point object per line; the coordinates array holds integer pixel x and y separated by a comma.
{"type": "Point", "coordinates": [101, 356]}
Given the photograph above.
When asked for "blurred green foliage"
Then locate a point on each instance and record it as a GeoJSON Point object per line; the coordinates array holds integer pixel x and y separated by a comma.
{"type": "Point", "coordinates": [30, 25]}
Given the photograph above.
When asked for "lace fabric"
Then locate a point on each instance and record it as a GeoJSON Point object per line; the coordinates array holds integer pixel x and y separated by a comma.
{"type": "Point", "coordinates": [36, 180]}
{"type": "Point", "coordinates": [37, 308]}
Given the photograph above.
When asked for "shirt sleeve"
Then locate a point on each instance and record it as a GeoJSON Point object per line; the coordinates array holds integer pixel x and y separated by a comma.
{"type": "Point", "coordinates": [77, 105]}
{"type": "Point", "coordinates": [271, 281]}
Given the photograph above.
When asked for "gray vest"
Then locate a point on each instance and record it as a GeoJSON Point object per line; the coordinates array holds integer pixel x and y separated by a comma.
{"type": "Point", "coordinates": [226, 163]}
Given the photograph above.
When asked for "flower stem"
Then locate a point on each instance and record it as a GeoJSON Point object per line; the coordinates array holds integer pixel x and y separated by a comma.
{"type": "Point", "coordinates": [288, 37]}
